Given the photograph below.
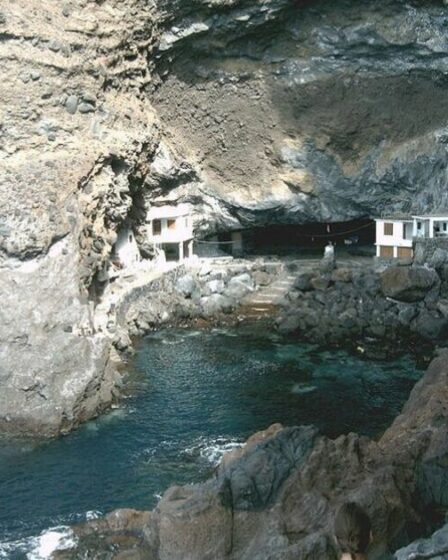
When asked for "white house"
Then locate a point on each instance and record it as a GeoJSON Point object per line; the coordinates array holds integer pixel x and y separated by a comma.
{"type": "Point", "coordinates": [395, 234]}
{"type": "Point", "coordinates": [170, 228]}
{"type": "Point", "coordinates": [126, 250]}
{"type": "Point", "coordinates": [394, 237]}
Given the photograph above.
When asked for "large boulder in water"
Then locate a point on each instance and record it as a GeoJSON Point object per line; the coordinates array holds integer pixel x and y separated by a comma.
{"type": "Point", "coordinates": [408, 283]}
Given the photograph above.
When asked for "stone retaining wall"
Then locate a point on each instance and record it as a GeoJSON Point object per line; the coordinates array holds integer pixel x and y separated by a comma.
{"type": "Point", "coordinates": [425, 249]}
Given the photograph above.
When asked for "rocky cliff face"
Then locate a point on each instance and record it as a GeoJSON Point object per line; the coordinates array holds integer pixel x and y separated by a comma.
{"type": "Point", "coordinates": [256, 112]}
{"type": "Point", "coordinates": [71, 73]}
{"type": "Point", "coordinates": [307, 111]}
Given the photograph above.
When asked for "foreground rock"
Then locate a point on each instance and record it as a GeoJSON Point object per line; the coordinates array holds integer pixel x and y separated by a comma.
{"type": "Point", "coordinates": [276, 498]}
{"type": "Point", "coordinates": [436, 547]}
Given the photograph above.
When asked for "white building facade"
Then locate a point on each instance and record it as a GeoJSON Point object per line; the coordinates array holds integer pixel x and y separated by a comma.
{"type": "Point", "coordinates": [170, 229]}
{"type": "Point", "coordinates": [395, 234]}
{"type": "Point", "coordinates": [126, 250]}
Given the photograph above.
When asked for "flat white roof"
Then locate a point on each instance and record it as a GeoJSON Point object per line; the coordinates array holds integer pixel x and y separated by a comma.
{"type": "Point", "coordinates": [398, 218]}
{"type": "Point", "coordinates": [157, 212]}
{"type": "Point", "coordinates": [394, 219]}
{"type": "Point", "coordinates": [432, 217]}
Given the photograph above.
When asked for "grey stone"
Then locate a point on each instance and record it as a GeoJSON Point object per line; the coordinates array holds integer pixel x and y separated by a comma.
{"type": "Point", "coordinates": [431, 327]}
{"type": "Point", "coordinates": [86, 108]}
{"type": "Point", "coordinates": [244, 279]}
{"type": "Point", "coordinates": [303, 282]}
{"type": "Point", "coordinates": [25, 77]}
{"type": "Point", "coordinates": [54, 46]}
{"type": "Point", "coordinates": [186, 285]}
{"type": "Point", "coordinates": [215, 286]}
{"type": "Point", "coordinates": [288, 324]}
{"type": "Point", "coordinates": [215, 304]}
{"type": "Point", "coordinates": [419, 254]}
{"type": "Point", "coordinates": [438, 259]}
{"type": "Point", "coordinates": [407, 314]}
{"type": "Point", "coordinates": [348, 319]}
{"type": "Point", "coordinates": [88, 97]}
{"type": "Point", "coordinates": [261, 278]}
{"type": "Point", "coordinates": [320, 282]}
{"type": "Point", "coordinates": [435, 547]}
{"type": "Point", "coordinates": [342, 275]}
{"type": "Point", "coordinates": [408, 283]}
{"type": "Point", "coordinates": [71, 104]}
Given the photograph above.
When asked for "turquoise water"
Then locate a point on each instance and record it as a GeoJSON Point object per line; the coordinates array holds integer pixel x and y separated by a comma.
{"type": "Point", "coordinates": [191, 395]}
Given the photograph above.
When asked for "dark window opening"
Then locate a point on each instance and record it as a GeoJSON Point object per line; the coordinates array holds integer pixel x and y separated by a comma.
{"type": "Point", "coordinates": [156, 227]}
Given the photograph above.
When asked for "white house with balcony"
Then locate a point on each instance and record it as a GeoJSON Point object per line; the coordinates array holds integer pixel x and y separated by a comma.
{"type": "Point", "coordinates": [431, 225]}
{"type": "Point", "coordinates": [395, 234]}
{"type": "Point", "coordinates": [170, 229]}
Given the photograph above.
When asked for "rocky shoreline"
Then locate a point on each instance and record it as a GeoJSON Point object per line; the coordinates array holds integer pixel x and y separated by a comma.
{"type": "Point", "coordinates": [378, 310]}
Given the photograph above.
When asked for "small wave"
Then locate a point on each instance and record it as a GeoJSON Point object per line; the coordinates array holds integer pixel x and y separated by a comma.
{"type": "Point", "coordinates": [92, 515]}
{"type": "Point", "coordinates": [303, 389]}
{"type": "Point", "coordinates": [41, 547]}
{"type": "Point", "coordinates": [212, 449]}
{"type": "Point", "coordinates": [149, 454]}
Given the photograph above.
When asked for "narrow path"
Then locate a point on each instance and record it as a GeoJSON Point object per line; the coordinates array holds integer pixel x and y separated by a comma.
{"type": "Point", "coordinates": [104, 313]}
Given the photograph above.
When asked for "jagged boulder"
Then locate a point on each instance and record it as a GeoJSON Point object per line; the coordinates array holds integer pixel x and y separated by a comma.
{"type": "Point", "coordinates": [216, 303]}
{"type": "Point", "coordinates": [186, 285]}
{"type": "Point", "coordinates": [408, 284]}
{"type": "Point", "coordinates": [253, 481]}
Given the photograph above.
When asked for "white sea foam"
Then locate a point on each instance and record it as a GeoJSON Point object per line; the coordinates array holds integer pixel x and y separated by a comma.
{"type": "Point", "coordinates": [59, 538]}
{"type": "Point", "coordinates": [41, 547]}
{"type": "Point", "coordinates": [303, 388]}
{"type": "Point", "coordinates": [213, 449]}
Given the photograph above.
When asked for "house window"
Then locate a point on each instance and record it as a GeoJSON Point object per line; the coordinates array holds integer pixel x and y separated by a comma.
{"type": "Point", "coordinates": [171, 224]}
{"type": "Point", "coordinates": [419, 225]}
{"type": "Point", "coordinates": [156, 227]}
{"type": "Point", "coordinates": [130, 238]}
{"type": "Point", "coordinates": [445, 226]}
{"type": "Point", "coordinates": [388, 228]}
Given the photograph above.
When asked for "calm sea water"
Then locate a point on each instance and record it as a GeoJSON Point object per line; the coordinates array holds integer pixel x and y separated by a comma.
{"type": "Point", "coordinates": [191, 396]}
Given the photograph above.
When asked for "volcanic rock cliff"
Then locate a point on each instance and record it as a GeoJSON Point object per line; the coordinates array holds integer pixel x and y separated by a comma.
{"type": "Point", "coordinates": [255, 111]}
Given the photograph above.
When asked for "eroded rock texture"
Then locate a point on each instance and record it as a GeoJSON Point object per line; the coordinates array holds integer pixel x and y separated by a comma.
{"type": "Point", "coordinates": [308, 110]}
{"type": "Point", "coordinates": [71, 72]}
{"type": "Point", "coordinates": [256, 112]}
